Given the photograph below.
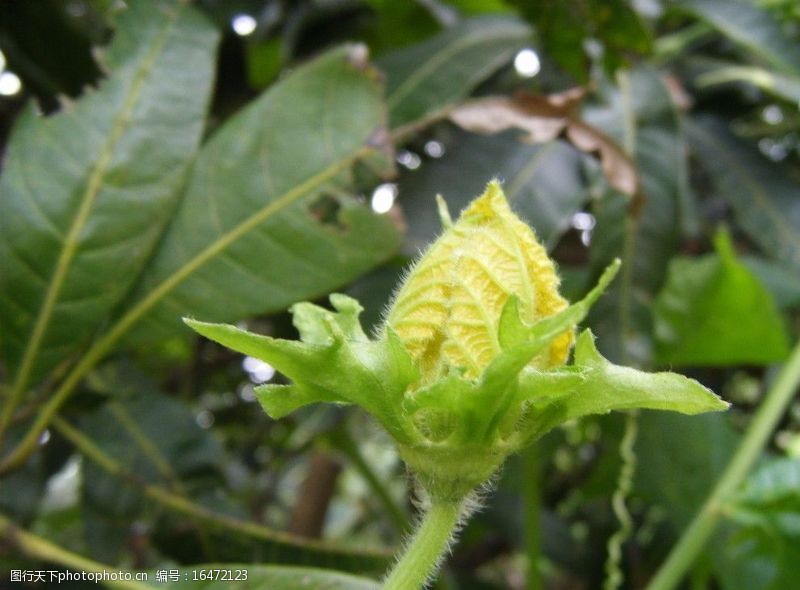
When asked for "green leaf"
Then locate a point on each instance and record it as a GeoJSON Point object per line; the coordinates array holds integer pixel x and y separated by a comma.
{"type": "Point", "coordinates": [781, 280]}
{"type": "Point", "coordinates": [679, 460]}
{"type": "Point", "coordinates": [751, 27]}
{"type": "Point", "coordinates": [21, 491]}
{"type": "Point", "coordinates": [644, 234]}
{"type": "Point", "coordinates": [713, 311]}
{"type": "Point", "coordinates": [157, 439]}
{"type": "Point", "coordinates": [426, 78]}
{"type": "Point", "coordinates": [767, 510]}
{"type": "Point", "coordinates": [397, 24]}
{"type": "Point", "coordinates": [592, 385]}
{"type": "Point", "coordinates": [272, 577]}
{"type": "Point", "coordinates": [763, 194]}
{"type": "Point", "coordinates": [563, 27]}
{"type": "Point", "coordinates": [86, 192]}
{"type": "Point", "coordinates": [544, 184]}
{"type": "Point", "coordinates": [772, 489]}
{"type": "Point", "coordinates": [246, 240]}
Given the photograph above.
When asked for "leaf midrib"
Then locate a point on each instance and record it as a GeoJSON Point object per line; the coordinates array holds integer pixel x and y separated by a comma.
{"type": "Point", "coordinates": [218, 246]}
{"type": "Point", "coordinates": [95, 182]}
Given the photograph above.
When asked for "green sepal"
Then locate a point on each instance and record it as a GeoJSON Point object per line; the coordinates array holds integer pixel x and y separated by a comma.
{"type": "Point", "coordinates": [334, 362]}
{"type": "Point", "coordinates": [593, 385]}
{"type": "Point", "coordinates": [281, 400]}
{"type": "Point", "coordinates": [455, 432]}
{"type": "Point", "coordinates": [513, 331]}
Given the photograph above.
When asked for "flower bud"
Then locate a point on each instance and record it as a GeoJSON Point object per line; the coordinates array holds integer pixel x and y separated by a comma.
{"type": "Point", "coordinates": [447, 312]}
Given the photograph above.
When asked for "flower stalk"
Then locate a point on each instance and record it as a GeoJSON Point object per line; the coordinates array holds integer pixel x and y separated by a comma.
{"type": "Point", "coordinates": [427, 547]}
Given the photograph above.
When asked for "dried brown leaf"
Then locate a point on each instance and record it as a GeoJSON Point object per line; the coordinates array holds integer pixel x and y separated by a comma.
{"type": "Point", "coordinates": [543, 118]}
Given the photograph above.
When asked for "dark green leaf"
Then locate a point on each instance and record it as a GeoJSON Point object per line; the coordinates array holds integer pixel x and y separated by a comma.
{"type": "Point", "coordinates": [428, 77]}
{"type": "Point", "coordinates": [763, 194]}
{"type": "Point", "coordinates": [21, 491]}
{"type": "Point", "coordinates": [750, 26]}
{"type": "Point", "coordinates": [272, 577]}
{"type": "Point", "coordinates": [543, 183]}
{"type": "Point", "coordinates": [773, 488]}
{"type": "Point", "coordinates": [246, 239]}
{"type": "Point", "coordinates": [86, 193]}
{"type": "Point", "coordinates": [644, 235]}
{"type": "Point", "coordinates": [678, 460]}
{"type": "Point", "coordinates": [781, 280]}
{"type": "Point", "coordinates": [563, 28]}
{"type": "Point", "coordinates": [767, 508]}
{"type": "Point", "coordinates": [398, 24]}
{"type": "Point", "coordinates": [713, 311]}
{"type": "Point", "coordinates": [155, 438]}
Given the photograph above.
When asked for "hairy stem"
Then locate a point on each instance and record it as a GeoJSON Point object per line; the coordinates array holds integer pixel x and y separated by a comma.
{"type": "Point", "coordinates": [39, 548]}
{"type": "Point", "coordinates": [701, 528]}
{"type": "Point", "coordinates": [426, 548]}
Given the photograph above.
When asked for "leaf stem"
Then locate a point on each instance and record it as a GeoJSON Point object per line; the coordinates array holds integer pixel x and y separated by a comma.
{"type": "Point", "coordinates": [426, 548]}
{"type": "Point", "coordinates": [105, 344]}
{"type": "Point", "coordinates": [41, 549]}
{"type": "Point", "coordinates": [764, 422]}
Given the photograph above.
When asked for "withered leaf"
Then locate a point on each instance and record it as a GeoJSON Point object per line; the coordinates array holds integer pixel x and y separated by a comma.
{"type": "Point", "coordinates": [544, 118]}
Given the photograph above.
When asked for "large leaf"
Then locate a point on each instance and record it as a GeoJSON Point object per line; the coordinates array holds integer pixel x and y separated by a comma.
{"type": "Point", "coordinates": [713, 311]}
{"type": "Point", "coordinates": [763, 194]}
{"type": "Point", "coordinates": [750, 26]}
{"type": "Point", "coordinates": [86, 192]}
{"type": "Point", "coordinates": [543, 183]}
{"type": "Point", "coordinates": [563, 28]}
{"type": "Point", "coordinates": [245, 239]}
{"type": "Point", "coordinates": [263, 577]}
{"type": "Point", "coordinates": [428, 77]}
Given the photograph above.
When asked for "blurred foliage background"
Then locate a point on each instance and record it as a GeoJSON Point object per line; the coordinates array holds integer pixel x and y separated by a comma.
{"type": "Point", "coordinates": [225, 159]}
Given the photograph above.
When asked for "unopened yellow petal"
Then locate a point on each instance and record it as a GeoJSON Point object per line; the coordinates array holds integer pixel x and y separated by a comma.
{"type": "Point", "coordinates": [448, 310]}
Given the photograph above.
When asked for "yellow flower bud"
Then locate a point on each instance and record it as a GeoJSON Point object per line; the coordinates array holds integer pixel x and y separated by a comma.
{"type": "Point", "coordinates": [447, 312]}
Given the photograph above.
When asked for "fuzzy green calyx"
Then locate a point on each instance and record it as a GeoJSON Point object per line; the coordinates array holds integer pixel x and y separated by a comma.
{"type": "Point", "coordinates": [460, 387]}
